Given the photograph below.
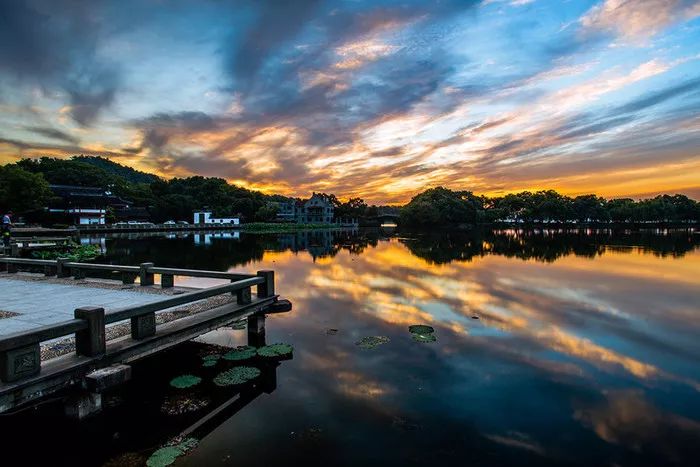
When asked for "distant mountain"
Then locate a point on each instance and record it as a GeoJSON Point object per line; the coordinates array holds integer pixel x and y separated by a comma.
{"type": "Point", "coordinates": [127, 173]}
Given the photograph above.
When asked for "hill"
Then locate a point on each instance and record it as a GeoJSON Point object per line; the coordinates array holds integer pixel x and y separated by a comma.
{"type": "Point", "coordinates": [113, 168]}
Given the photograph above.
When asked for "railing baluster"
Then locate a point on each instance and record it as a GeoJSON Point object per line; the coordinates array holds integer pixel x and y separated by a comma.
{"type": "Point", "coordinates": [167, 280]}
{"type": "Point", "coordinates": [267, 288]}
{"type": "Point", "coordinates": [91, 342]}
{"type": "Point", "coordinates": [145, 276]}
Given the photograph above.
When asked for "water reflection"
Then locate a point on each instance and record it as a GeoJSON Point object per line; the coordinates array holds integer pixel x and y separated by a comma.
{"type": "Point", "coordinates": [553, 347]}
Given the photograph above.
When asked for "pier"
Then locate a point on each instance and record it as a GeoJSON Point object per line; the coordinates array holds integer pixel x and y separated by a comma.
{"type": "Point", "coordinates": [99, 364]}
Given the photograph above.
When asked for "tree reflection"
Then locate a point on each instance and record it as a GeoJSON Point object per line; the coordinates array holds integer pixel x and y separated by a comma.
{"type": "Point", "coordinates": [545, 245]}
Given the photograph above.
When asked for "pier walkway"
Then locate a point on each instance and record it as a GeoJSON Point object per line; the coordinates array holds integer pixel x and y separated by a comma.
{"type": "Point", "coordinates": [39, 304]}
{"type": "Point", "coordinates": [99, 363]}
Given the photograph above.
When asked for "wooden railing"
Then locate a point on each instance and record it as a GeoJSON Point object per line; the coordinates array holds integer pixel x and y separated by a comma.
{"type": "Point", "coordinates": [20, 352]}
{"type": "Point", "coordinates": [62, 267]}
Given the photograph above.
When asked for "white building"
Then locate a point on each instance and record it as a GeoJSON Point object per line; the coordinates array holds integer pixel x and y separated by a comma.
{"type": "Point", "coordinates": [204, 217]}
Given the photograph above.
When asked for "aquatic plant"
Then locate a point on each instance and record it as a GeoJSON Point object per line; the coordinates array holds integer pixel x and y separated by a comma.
{"type": "Point", "coordinates": [421, 329]}
{"type": "Point", "coordinates": [244, 352]}
{"type": "Point", "coordinates": [239, 325]}
{"type": "Point", "coordinates": [169, 454]}
{"type": "Point", "coordinates": [371, 342]}
{"type": "Point", "coordinates": [185, 381]}
{"type": "Point", "coordinates": [422, 333]}
{"type": "Point", "coordinates": [210, 360]}
{"type": "Point", "coordinates": [237, 375]}
{"type": "Point", "coordinates": [179, 405]}
{"type": "Point", "coordinates": [275, 350]}
{"type": "Point", "coordinates": [73, 251]}
{"type": "Point", "coordinates": [424, 338]}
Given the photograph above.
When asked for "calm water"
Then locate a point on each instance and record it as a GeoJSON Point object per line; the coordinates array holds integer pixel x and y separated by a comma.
{"type": "Point", "coordinates": [586, 351]}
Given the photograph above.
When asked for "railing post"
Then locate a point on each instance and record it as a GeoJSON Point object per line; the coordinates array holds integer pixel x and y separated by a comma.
{"type": "Point", "coordinates": [145, 277]}
{"type": "Point", "coordinates": [14, 250]}
{"type": "Point", "coordinates": [61, 269]}
{"type": "Point", "coordinates": [128, 277]}
{"type": "Point", "coordinates": [78, 273]}
{"type": "Point", "coordinates": [91, 342]}
{"type": "Point", "coordinates": [243, 296]}
{"type": "Point", "coordinates": [267, 288]}
{"type": "Point", "coordinates": [167, 280]}
{"type": "Point", "coordinates": [256, 330]}
{"type": "Point", "coordinates": [20, 362]}
{"type": "Point", "coordinates": [143, 326]}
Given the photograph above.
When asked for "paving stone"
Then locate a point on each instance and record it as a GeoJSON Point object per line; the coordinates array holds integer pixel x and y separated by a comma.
{"type": "Point", "coordinates": [41, 303]}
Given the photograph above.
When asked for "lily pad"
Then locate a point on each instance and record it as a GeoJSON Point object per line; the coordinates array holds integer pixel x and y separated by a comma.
{"type": "Point", "coordinates": [185, 381]}
{"type": "Point", "coordinates": [421, 329]}
{"type": "Point", "coordinates": [244, 352]}
{"type": "Point", "coordinates": [425, 338]}
{"type": "Point", "coordinates": [371, 342]}
{"type": "Point", "coordinates": [164, 456]}
{"type": "Point", "coordinates": [210, 360]}
{"type": "Point", "coordinates": [237, 375]}
{"type": "Point", "coordinates": [169, 454]}
{"type": "Point", "coordinates": [276, 350]}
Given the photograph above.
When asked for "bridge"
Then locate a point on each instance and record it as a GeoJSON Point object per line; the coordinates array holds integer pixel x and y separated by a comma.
{"type": "Point", "coordinates": [98, 364]}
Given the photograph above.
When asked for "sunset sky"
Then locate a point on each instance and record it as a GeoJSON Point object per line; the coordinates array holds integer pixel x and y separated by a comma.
{"type": "Point", "coordinates": [371, 98]}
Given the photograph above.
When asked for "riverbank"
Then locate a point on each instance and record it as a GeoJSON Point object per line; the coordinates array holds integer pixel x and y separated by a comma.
{"type": "Point", "coordinates": [272, 227]}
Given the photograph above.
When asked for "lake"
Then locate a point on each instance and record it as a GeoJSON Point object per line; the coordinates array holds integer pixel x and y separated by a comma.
{"type": "Point", "coordinates": [551, 348]}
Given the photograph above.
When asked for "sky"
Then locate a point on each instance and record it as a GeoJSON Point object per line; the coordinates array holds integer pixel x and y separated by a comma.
{"type": "Point", "coordinates": [372, 98]}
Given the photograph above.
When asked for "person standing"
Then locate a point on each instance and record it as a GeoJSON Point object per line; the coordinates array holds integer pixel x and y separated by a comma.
{"type": "Point", "coordinates": [6, 225]}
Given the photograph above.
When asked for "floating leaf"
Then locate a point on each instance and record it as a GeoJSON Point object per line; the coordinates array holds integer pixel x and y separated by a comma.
{"type": "Point", "coordinates": [210, 360]}
{"type": "Point", "coordinates": [164, 456]}
{"type": "Point", "coordinates": [244, 352]}
{"type": "Point", "coordinates": [185, 381]}
{"type": "Point", "coordinates": [276, 350]}
{"type": "Point", "coordinates": [168, 454]}
{"type": "Point", "coordinates": [421, 329]}
{"type": "Point", "coordinates": [372, 341]}
{"type": "Point", "coordinates": [425, 338]}
{"type": "Point", "coordinates": [238, 375]}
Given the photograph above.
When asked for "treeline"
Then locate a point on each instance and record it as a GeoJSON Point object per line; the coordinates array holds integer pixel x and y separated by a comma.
{"type": "Point", "coordinates": [24, 188]}
{"type": "Point", "coordinates": [443, 207]}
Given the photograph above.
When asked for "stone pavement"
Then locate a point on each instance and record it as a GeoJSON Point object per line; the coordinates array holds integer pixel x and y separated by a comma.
{"type": "Point", "coordinates": [39, 303]}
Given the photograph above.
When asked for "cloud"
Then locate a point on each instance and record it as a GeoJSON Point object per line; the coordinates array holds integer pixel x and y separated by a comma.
{"type": "Point", "coordinates": [53, 133]}
{"type": "Point", "coordinates": [637, 20]}
{"type": "Point", "coordinates": [54, 45]}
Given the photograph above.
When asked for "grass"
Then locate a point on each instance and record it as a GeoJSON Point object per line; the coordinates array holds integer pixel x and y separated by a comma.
{"type": "Point", "coordinates": [273, 227]}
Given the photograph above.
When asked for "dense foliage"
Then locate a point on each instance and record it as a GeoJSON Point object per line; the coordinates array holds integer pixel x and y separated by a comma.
{"type": "Point", "coordinates": [22, 191]}
{"type": "Point", "coordinates": [24, 188]}
{"type": "Point", "coordinates": [443, 207]}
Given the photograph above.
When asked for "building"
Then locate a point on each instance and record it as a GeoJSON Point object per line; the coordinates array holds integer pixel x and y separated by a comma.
{"type": "Point", "coordinates": [82, 205]}
{"type": "Point", "coordinates": [204, 217]}
{"type": "Point", "coordinates": [315, 210]}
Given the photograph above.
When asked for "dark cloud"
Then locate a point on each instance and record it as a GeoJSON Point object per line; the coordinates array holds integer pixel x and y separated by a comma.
{"type": "Point", "coordinates": [276, 23]}
{"type": "Point", "coordinates": [659, 97]}
{"type": "Point", "coordinates": [158, 129]}
{"type": "Point", "coordinates": [54, 45]}
{"type": "Point", "coordinates": [53, 133]}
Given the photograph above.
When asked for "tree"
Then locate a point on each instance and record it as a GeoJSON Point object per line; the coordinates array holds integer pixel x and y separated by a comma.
{"type": "Point", "coordinates": [266, 213]}
{"type": "Point", "coordinates": [437, 207]}
{"type": "Point", "coordinates": [22, 191]}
